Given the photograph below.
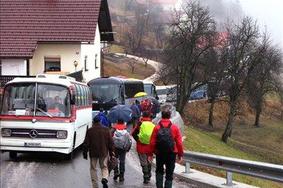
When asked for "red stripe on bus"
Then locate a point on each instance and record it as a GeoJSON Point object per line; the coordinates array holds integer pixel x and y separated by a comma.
{"type": "Point", "coordinates": [62, 119]}
{"type": "Point", "coordinates": [19, 118]}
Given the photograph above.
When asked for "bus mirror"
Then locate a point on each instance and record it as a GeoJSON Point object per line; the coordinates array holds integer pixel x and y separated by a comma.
{"type": "Point", "coordinates": [73, 99]}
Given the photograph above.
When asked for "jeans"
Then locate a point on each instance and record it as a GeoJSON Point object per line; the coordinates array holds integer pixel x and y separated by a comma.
{"type": "Point", "coordinates": [167, 159]}
{"type": "Point", "coordinates": [121, 155]}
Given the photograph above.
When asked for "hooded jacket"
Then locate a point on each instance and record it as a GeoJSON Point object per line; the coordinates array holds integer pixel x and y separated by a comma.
{"type": "Point", "coordinates": [176, 134]}
{"type": "Point", "coordinates": [141, 148]}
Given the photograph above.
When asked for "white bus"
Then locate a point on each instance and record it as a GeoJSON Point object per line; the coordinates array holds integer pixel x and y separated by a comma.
{"type": "Point", "coordinates": [48, 113]}
{"type": "Point", "coordinates": [150, 89]}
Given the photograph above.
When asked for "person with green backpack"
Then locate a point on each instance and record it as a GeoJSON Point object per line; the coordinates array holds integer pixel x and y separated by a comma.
{"type": "Point", "coordinates": [142, 134]}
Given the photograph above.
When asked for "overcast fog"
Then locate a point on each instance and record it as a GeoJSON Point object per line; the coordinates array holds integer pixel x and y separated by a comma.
{"type": "Point", "coordinates": [267, 12]}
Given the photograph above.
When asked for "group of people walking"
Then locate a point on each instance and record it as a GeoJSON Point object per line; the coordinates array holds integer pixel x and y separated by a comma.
{"type": "Point", "coordinates": [105, 144]}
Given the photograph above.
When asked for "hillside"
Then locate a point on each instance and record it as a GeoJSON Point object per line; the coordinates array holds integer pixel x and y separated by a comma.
{"type": "Point", "coordinates": [247, 142]}
{"type": "Point", "coordinates": [121, 67]}
{"type": "Point", "coordinates": [208, 142]}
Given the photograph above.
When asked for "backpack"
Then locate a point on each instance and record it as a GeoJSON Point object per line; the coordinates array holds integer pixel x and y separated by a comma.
{"type": "Point", "coordinates": [146, 105]}
{"type": "Point", "coordinates": [145, 132]}
{"type": "Point", "coordinates": [122, 140]}
{"type": "Point", "coordinates": [164, 140]}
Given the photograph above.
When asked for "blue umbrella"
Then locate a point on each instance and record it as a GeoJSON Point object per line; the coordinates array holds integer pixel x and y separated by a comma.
{"type": "Point", "coordinates": [122, 112]}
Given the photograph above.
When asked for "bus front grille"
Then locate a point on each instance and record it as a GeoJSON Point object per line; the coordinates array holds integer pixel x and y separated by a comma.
{"type": "Point", "coordinates": [33, 133]}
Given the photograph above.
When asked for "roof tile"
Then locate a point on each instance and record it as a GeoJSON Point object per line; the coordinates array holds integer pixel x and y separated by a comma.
{"type": "Point", "coordinates": [24, 23]}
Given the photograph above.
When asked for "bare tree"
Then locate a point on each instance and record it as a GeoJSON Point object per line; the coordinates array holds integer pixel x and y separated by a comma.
{"type": "Point", "coordinates": [132, 64]}
{"type": "Point", "coordinates": [136, 30]}
{"type": "Point", "coordinates": [263, 79]}
{"type": "Point", "coordinates": [241, 57]}
{"type": "Point", "coordinates": [217, 73]}
{"type": "Point", "coordinates": [192, 34]}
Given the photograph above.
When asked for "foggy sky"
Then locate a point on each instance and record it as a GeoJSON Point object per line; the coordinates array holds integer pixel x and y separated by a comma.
{"type": "Point", "coordinates": [269, 13]}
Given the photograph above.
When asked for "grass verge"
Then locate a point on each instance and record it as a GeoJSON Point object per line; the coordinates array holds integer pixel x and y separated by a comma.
{"type": "Point", "coordinates": [208, 142]}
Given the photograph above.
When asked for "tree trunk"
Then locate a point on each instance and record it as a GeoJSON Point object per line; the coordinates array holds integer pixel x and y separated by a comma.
{"type": "Point", "coordinates": [183, 99]}
{"type": "Point", "coordinates": [228, 130]}
{"type": "Point", "coordinates": [210, 117]}
{"type": "Point", "coordinates": [257, 116]}
{"type": "Point", "coordinates": [181, 104]}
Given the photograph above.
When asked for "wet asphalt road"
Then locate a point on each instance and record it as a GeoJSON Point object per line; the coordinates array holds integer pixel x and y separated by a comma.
{"type": "Point", "coordinates": [46, 170]}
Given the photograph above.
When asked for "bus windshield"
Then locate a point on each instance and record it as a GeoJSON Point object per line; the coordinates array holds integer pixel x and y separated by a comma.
{"type": "Point", "coordinates": [132, 88]}
{"type": "Point", "coordinates": [148, 89]}
{"type": "Point", "coordinates": [106, 93]}
{"type": "Point", "coordinates": [22, 99]}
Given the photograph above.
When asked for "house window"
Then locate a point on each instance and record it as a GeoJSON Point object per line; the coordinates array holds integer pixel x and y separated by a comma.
{"type": "Point", "coordinates": [95, 61]}
{"type": "Point", "coordinates": [86, 69]}
{"type": "Point", "coordinates": [52, 64]}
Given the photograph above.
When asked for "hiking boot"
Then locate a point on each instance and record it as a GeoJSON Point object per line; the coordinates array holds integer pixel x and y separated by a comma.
{"type": "Point", "coordinates": [146, 180]}
{"type": "Point", "coordinates": [104, 182]}
{"type": "Point", "coordinates": [116, 176]}
{"type": "Point", "coordinates": [168, 184]}
{"type": "Point", "coordinates": [121, 177]}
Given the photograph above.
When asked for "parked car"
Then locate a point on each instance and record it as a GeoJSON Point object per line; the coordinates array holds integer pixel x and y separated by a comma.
{"type": "Point", "coordinates": [199, 94]}
{"type": "Point", "coordinates": [172, 95]}
{"type": "Point", "coordinates": [162, 92]}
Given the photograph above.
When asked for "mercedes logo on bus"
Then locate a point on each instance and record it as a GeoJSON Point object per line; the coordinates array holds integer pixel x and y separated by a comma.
{"type": "Point", "coordinates": [33, 133]}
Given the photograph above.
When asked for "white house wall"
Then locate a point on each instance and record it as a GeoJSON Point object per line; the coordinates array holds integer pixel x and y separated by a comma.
{"type": "Point", "coordinates": [14, 67]}
{"type": "Point", "coordinates": [91, 50]}
{"type": "Point", "coordinates": [68, 53]}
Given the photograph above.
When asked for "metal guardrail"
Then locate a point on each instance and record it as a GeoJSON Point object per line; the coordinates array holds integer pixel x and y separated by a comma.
{"type": "Point", "coordinates": [257, 169]}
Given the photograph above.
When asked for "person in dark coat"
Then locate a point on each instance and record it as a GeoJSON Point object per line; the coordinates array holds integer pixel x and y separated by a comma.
{"type": "Point", "coordinates": [136, 113]}
{"type": "Point", "coordinates": [99, 144]}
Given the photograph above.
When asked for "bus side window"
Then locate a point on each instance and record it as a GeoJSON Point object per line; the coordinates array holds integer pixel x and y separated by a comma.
{"type": "Point", "coordinates": [83, 96]}
{"type": "Point", "coordinates": [89, 96]}
{"type": "Point", "coordinates": [86, 96]}
{"type": "Point", "coordinates": [78, 95]}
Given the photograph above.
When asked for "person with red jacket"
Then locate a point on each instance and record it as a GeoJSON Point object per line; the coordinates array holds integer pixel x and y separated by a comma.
{"type": "Point", "coordinates": [166, 143]}
{"type": "Point", "coordinates": [143, 149]}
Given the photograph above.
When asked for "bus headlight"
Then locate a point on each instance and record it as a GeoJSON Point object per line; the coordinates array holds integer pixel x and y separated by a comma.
{"type": "Point", "coordinates": [6, 132]}
{"type": "Point", "coordinates": [62, 134]}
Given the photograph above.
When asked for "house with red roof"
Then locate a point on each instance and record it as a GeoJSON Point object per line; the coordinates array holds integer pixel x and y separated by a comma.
{"type": "Point", "coordinates": [48, 36]}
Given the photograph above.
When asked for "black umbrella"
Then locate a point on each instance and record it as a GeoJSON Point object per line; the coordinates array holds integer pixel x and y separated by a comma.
{"type": "Point", "coordinates": [122, 112]}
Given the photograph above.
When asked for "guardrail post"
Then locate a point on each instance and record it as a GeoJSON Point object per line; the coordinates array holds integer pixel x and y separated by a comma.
{"type": "Point", "coordinates": [187, 167]}
{"type": "Point", "coordinates": [229, 178]}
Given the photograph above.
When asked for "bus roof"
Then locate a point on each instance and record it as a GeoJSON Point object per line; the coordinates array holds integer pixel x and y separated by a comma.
{"type": "Point", "coordinates": [113, 80]}
{"type": "Point", "coordinates": [46, 78]}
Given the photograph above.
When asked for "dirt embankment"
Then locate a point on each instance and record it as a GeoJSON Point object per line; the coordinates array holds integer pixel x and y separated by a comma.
{"type": "Point", "coordinates": [122, 67]}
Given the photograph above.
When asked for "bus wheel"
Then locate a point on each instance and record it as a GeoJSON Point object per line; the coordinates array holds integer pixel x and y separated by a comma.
{"type": "Point", "coordinates": [69, 156]}
{"type": "Point", "coordinates": [13, 155]}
